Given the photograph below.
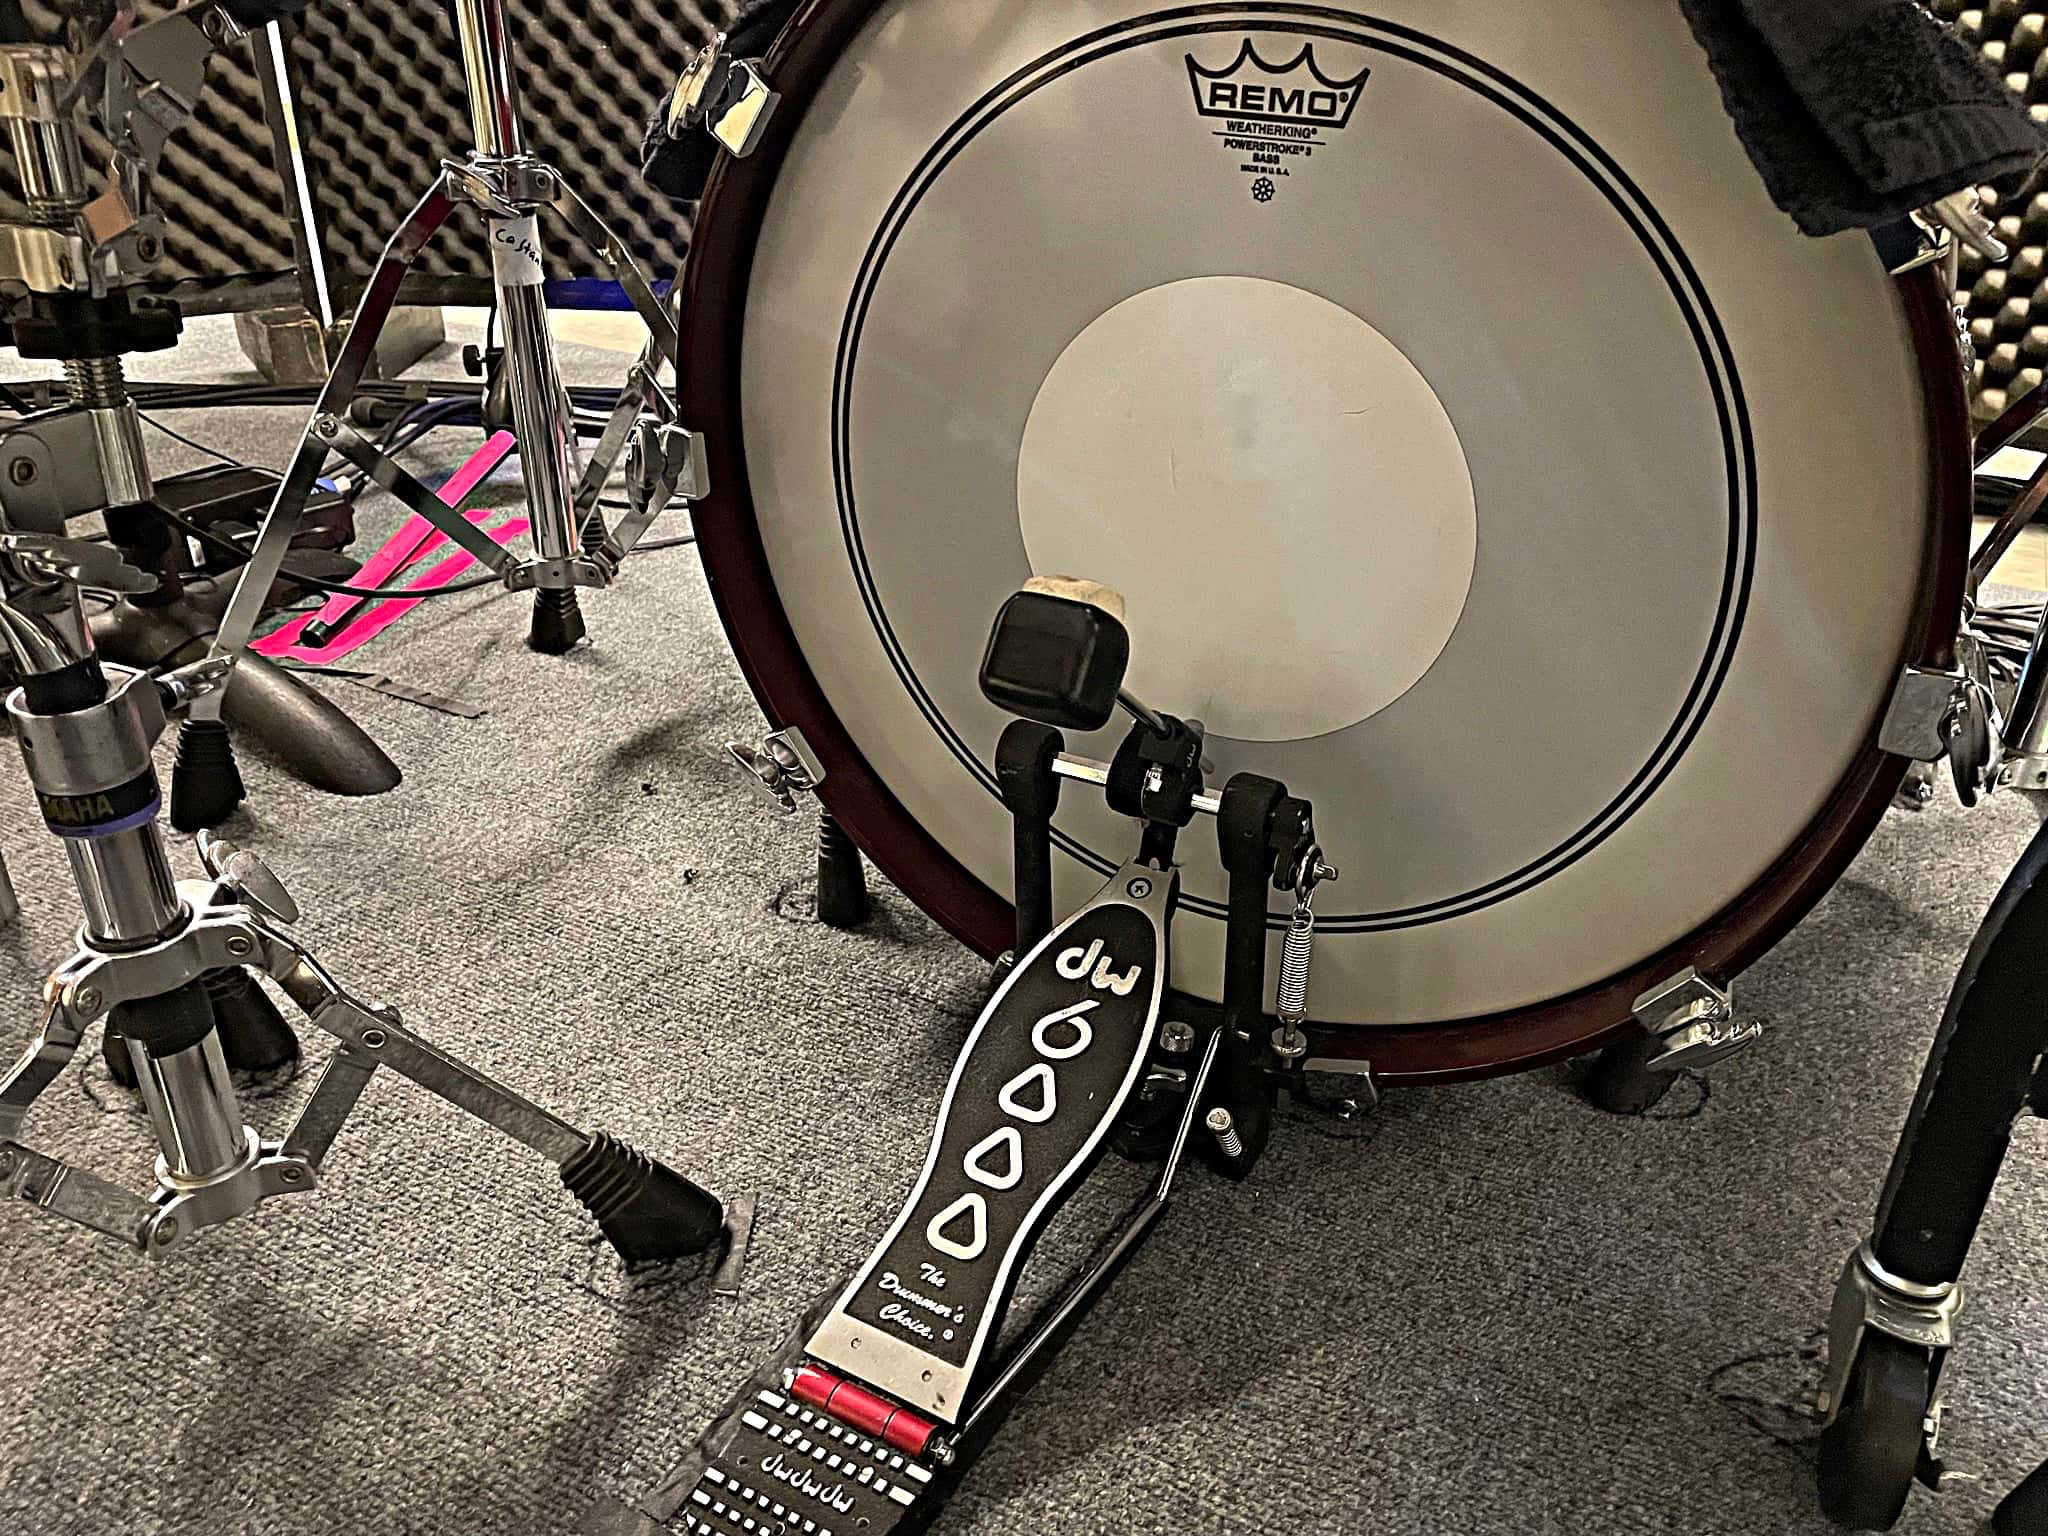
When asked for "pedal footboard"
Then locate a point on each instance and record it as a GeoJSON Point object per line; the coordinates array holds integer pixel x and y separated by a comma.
{"type": "Point", "coordinates": [850, 1430]}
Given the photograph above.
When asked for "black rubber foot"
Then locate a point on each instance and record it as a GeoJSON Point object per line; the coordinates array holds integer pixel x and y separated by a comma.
{"type": "Point", "coordinates": [120, 1065]}
{"type": "Point", "coordinates": [648, 1212]}
{"type": "Point", "coordinates": [557, 622]}
{"type": "Point", "coordinates": [254, 1036]}
{"type": "Point", "coordinates": [1620, 1083]}
{"type": "Point", "coordinates": [2025, 1510]}
{"type": "Point", "coordinates": [842, 879]}
{"type": "Point", "coordinates": [1147, 1129]}
{"type": "Point", "coordinates": [206, 786]}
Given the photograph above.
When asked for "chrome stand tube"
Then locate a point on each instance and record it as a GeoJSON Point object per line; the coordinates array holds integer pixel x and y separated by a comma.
{"type": "Point", "coordinates": [125, 886]}
{"type": "Point", "coordinates": [547, 441]}
{"type": "Point", "coordinates": [191, 1102]}
{"type": "Point", "coordinates": [487, 70]}
{"type": "Point", "coordinates": [540, 417]}
{"type": "Point", "coordinates": [100, 389]}
{"type": "Point", "coordinates": [2024, 757]}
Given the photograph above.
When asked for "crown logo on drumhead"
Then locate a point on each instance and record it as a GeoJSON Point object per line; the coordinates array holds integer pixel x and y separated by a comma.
{"type": "Point", "coordinates": [1251, 90]}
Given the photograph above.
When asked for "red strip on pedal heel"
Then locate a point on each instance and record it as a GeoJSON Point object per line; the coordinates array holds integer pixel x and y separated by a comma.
{"type": "Point", "coordinates": [867, 1412]}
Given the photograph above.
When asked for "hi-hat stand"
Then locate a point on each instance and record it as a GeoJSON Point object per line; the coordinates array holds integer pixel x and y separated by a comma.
{"type": "Point", "coordinates": [574, 546]}
{"type": "Point", "coordinates": [168, 965]}
{"type": "Point", "coordinates": [71, 268]}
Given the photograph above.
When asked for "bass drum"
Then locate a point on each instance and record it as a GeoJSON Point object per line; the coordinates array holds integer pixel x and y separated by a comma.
{"type": "Point", "coordinates": [1479, 450]}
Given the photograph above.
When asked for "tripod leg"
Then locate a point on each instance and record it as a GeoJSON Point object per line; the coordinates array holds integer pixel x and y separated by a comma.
{"type": "Point", "coordinates": [1884, 1375]}
{"type": "Point", "coordinates": [46, 1056]}
{"type": "Point", "coordinates": [640, 396]}
{"type": "Point", "coordinates": [205, 784]}
{"type": "Point", "coordinates": [611, 250]}
{"type": "Point", "coordinates": [647, 1211]}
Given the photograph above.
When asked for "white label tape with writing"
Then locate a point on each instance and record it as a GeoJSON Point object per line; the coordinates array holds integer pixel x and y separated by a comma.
{"type": "Point", "coordinates": [515, 251]}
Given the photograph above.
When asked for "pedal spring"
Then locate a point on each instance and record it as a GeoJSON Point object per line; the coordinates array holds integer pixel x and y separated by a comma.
{"type": "Point", "coordinates": [1292, 1002]}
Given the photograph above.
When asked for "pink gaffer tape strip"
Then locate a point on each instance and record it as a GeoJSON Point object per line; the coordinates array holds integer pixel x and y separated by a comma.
{"type": "Point", "coordinates": [413, 541]}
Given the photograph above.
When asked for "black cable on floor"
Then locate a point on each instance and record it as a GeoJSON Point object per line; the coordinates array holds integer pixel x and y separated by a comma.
{"type": "Point", "coordinates": [315, 583]}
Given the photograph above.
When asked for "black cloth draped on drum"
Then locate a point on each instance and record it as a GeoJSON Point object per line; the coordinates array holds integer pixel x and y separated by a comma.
{"type": "Point", "coordinates": [1859, 111]}
{"type": "Point", "coordinates": [680, 167]}
{"type": "Point", "coordinates": [1855, 112]}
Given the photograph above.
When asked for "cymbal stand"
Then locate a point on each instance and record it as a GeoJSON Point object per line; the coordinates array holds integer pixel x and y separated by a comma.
{"type": "Point", "coordinates": [573, 546]}
{"type": "Point", "coordinates": [167, 965]}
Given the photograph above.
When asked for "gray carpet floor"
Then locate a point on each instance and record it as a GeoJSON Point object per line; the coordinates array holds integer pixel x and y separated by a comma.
{"type": "Point", "coordinates": [1490, 1309]}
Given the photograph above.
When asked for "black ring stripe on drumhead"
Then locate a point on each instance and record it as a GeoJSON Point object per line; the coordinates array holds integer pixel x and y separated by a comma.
{"type": "Point", "coordinates": [1629, 203]}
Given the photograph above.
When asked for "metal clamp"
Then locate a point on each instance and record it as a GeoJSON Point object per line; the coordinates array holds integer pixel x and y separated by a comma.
{"type": "Point", "coordinates": [784, 766]}
{"type": "Point", "coordinates": [42, 259]}
{"type": "Point", "coordinates": [1695, 1019]}
{"type": "Point", "coordinates": [723, 96]}
{"type": "Point", "coordinates": [504, 187]}
{"type": "Point", "coordinates": [1953, 714]}
{"type": "Point", "coordinates": [663, 462]}
{"type": "Point", "coordinates": [1869, 1298]}
{"type": "Point", "coordinates": [1958, 219]}
{"type": "Point", "coordinates": [1924, 706]}
{"type": "Point", "coordinates": [1344, 1087]}
{"type": "Point", "coordinates": [234, 920]}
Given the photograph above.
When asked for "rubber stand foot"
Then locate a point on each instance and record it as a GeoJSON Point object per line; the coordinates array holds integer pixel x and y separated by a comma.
{"type": "Point", "coordinates": [120, 1065]}
{"type": "Point", "coordinates": [557, 622]}
{"type": "Point", "coordinates": [1620, 1083]}
{"type": "Point", "coordinates": [647, 1211]}
{"type": "Point", "coordinates": [206, 786]}
{"type": "Point", "coordinates": [254, 1036]}
{"type": "Point", "coordinates": [842, 879]}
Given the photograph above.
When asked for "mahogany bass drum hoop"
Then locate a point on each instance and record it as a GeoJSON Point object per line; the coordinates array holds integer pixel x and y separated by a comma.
{"type": "Point", "coordinates": [756, 589]}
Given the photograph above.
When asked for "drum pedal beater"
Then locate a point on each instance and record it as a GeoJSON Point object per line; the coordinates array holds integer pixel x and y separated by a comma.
{"type": "Point", "coordinates": [165, 965]}
{"type": "Point", "coordinates": [573, 547]}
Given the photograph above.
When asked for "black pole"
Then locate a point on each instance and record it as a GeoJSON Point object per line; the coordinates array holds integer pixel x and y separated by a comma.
{"type": "Point", "coordinates": [1024, 770]}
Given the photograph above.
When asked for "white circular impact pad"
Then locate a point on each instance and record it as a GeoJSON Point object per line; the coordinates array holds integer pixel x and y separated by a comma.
{"type": "Point", "coordinates": [1302, 473]}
